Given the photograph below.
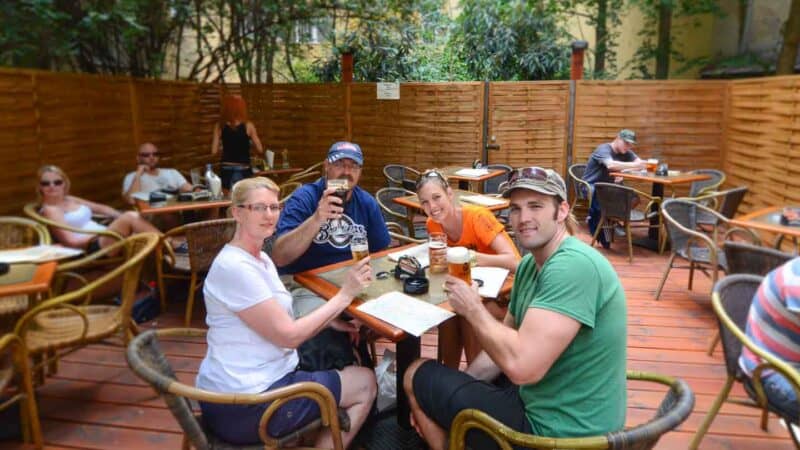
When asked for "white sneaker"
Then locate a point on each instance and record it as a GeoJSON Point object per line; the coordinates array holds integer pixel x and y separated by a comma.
{"type": "Point", "coordinates": [619, 231]}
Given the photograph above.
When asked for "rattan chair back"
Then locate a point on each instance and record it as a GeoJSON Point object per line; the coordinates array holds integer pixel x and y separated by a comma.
{"type": "Point", "coordinates": [398, 175]}
{"type": "Point", "coordinates": [15, 383]}
{"type": "Point", "coordinates": [205, 239]}
{"type": "Point", "coordinates": [492, 185]}
{"type": "Point", "coordinates": [287, 189]}
{"type": "Point", "coordinates": [673, 410]}
{"type": "Point", "coordinates": [615, 200]}
{"type": "Point", "coordinates": [699, 187]}
{"type": "Point", "coordinates": [18, 232]}
{"type": "Point", "coordinates": [392, 210]}
{"type": "Point", "coordinates": [310, 172]}
{"type": "Point", "coordinates": [72, 320]}
{"type": "Point", "coordinates": [680, 218]}
{"type": "Point", "coordinates": [742, 257]}
{"type": "Point", "coordinates": [731, 199]}
{"type": "Point", "coordinates": [736, 295]}
{"type": "Point", "coordinates": [148, 361]}
{"type": "Point", "coordinates": [580, 188]}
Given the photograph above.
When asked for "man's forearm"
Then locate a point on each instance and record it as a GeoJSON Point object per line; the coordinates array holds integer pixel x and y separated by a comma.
{"type": "Point", "coordinates": [293, 244]}
{"type": "Point", "coordinates": [499, 341]}
{"type": "Point", "coordinates": [134, 188]}
{"type": "Point", "coordinates": [483, 368]}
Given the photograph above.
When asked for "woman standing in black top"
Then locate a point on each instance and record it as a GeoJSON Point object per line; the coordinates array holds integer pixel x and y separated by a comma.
{"type": "Point", "coordinates": [235, 133]}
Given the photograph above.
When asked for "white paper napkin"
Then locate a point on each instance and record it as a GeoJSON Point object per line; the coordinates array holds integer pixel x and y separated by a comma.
{"type": "Point", "coordinates": [493, 279]}
{"type": "Point", "coordinates": [405, 312]}
{"type": "Point", "coordinates": [474, 173]}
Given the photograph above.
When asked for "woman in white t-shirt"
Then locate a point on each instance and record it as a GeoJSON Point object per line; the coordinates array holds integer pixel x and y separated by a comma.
{"type": "Point", "coordinates": [252, 335]}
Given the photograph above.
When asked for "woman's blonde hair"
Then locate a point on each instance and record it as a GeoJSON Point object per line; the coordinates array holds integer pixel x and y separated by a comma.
{"type": "Point", "coordinates": [54, 169]}
{"type": "Point", "coordinates": [242, 189]}
{"type": "Point", "coordinates": [433, 175]}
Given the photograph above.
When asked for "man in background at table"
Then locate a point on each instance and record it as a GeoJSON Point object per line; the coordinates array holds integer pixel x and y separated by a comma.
{"type": "Point", "coordinates": [148, 177]}
{"type": "Point", "coordinates": [609, 157]}
{"type": "Point", "coordinates": [555, 366]}
{"type": "Point", "coordinates": [315, 228]}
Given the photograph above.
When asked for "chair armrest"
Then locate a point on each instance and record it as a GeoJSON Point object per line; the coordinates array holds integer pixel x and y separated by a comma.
{"type": "Point", "coordinates": [748, 233]}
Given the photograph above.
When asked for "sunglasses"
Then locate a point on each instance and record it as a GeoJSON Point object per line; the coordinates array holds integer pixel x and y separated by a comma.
{"type": "Point", "coordinates": [51, 183]}
{"type": "Point", "coordinates": [431, 173]}
{"type": "Point", "coordinates": [148, 154]}
{"type": "Point", "coordinates": [528, 173]}
{"type": "Point", "coordinates": [261, 207]}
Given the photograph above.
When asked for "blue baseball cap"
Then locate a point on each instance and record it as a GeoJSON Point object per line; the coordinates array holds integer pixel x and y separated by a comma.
{"type": "Point", "coordinates": [344, 149]}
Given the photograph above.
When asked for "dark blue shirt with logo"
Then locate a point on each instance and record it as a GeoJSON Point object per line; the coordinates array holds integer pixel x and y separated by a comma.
{"type": "Point", "coordinates": [332, 242]}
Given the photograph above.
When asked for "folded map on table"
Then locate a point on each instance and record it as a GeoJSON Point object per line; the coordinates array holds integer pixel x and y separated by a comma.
{"type": "Point", "coordinates": [482, 200]}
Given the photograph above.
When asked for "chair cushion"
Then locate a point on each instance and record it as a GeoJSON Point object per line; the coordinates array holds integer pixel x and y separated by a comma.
{"type": "Point", "coordinates": [62, 327]}
{"type": "Point", "coordinates": [637, 216]}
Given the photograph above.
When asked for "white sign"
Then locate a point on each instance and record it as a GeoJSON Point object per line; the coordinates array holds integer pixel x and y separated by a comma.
{"type": "Point", "coordinates": [389, 91]}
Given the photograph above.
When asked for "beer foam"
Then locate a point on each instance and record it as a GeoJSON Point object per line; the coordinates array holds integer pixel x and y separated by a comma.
{"type": "Point", "coordinates": [457, 255]}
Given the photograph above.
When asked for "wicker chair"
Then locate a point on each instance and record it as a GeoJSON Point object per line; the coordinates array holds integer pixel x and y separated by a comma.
{"type": "Point", "coordinates": [724, 202]}
{"type": "Point", "coordinates": [393, 211]}
{"type": "Point", "coordinates": [70, 321]}
{"type": "Point", "coordinates": [742, 257]}
{"type": "Point", "coordinates": [673, 410]}
{"type": "Point", "coordinates": [492, 185]}
{"type": "Point", "coordinates": [616, 204]}
{"type": "Point", "coordinates": [400, 176]}
{"type": "Point", "coordinates": [287, 189]}
{"type": "Point", "coordinates": [398, 233]}
{"type": "Point", "coordinates": [148, 362]}
{"type": "Point", "coordinates": [698, 188]}
{"type": "Point", "coordinates": [15, 377]}
{"type": "Point", "coordinates": [581, 190]}
{"type": "Point", "coordinates": [731, 300]}
{"type": "Point", "coordinates": [19, 232]}
{"type": "Point", "coordinates": [204, 240]}
{"type": "Point", "coordinates": [699, 249]}
{"type": "Point", "coordinates": [311, 172]}
{"type": "Point", "coordinates": [32, 210]}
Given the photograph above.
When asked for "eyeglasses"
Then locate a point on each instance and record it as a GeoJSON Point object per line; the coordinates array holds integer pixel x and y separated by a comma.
{"type": "Point", "coordinates": [431, 173]}
{"type": "Point", "coordinates": [148, 154]}
{"type": "Point", "coordinates": [345, 164]}
{"type": "Point", "coordinates": [261, 207]}
{"type": "Point", "coordinates": [535, 173]}
{"type": "Point", "coordinates": [45, 183]}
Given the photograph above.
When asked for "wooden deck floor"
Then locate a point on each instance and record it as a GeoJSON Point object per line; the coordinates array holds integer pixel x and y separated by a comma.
{"type": "Point", "coordinates": [96, 402]}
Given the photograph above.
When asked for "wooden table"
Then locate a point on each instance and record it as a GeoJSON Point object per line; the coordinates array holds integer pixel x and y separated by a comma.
{"type": "Point", "coordinates": [324, 281]}
{"type": "Point", "coordinates": [464, 182]}
{"type": "Point", "coordinates": [411, 202]}
{"type": "Point", "coordinates": [27, 278]}
{"type": "Point", "coordinates": [768, 219]}
{"type": "Point", "coordinates": [173, 205]}
{"type": "Point", "coordinates": [658, 181]}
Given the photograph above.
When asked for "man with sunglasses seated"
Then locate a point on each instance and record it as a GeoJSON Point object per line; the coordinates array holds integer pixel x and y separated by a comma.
{"type": "Point", "coordinates": [316, 226]}
{"type": "Point", "coordinates": [148, 177]}
{"type": "Point", "coordinates": [609, 157]}
{"type": "Point", "coordinates": [555, 366]}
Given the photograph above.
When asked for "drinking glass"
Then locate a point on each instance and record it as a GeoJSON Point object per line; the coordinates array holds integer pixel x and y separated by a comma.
{"type": "Point", "coordinates": [359, 247]}
{"type": "Point", "coordinates": [437, 252]}
{"type": "Point", "coordinates": [458, 263]}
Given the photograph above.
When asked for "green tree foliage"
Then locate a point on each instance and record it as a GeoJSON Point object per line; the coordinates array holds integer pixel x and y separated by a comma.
{"type": "Point", "coordinates": [656, 33]}
{"type": "Point", "coordinates": [605, 17]}
{"type": "Point", "coordinates": [511, 40]}
{"type": "Point", "coordinates": [390, 40]}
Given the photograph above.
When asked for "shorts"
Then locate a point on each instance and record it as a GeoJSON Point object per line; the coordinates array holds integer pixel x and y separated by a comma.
{"type": "Point", "coordinates": [442, 393]}
{"type": "Point", "coordinates": [238, 424]}
{"type": "Point", "coordinates": [229, 175]}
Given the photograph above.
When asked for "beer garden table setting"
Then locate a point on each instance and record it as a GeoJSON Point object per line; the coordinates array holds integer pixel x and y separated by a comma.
{"type": "Point", "coordinates": [465, 176]}
{"type": "Point", "coordinates": [406, 298]}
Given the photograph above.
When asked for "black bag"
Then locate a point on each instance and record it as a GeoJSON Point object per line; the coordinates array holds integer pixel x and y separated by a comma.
{"type": "Point", "coordinates": [147, 305]}
{"type": "Point", "coordinates": [332, 349]}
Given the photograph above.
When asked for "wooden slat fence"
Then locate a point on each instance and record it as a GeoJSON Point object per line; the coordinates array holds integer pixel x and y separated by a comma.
{"type": "Point", "coordinates": [763, 140]}
{"type": "Point", "coordinates": [91, 126]}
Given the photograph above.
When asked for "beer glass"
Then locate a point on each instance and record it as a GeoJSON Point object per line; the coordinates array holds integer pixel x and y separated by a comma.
{"type": "Point", "coordinates": [651, 165]}
{"type": "Point", "coordinates": [437, 252]}
{"type": "Point", "coordinates": [359, 247]}
{"type": "Point", "coordinates": [341, 186]}
{"type": "Point", "coordinates": [458, 263]}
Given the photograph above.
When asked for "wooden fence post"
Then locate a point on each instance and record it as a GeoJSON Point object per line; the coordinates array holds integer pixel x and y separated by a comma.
{"type": "Point", "coordinates": [347, 79]}
{"type": "Point", "coordinates": [135, 119]}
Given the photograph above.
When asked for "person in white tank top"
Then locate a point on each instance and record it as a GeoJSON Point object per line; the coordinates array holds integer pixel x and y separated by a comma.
{"type": "Point", "coordinates": [59, 206]}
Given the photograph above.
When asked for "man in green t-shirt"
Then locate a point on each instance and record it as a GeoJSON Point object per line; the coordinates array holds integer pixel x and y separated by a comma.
{"type": "Point", "coordinates": [561, 347]}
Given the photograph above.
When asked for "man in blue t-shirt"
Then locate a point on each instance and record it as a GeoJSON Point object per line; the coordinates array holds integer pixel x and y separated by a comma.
{"type": "Point", "coordinates": [610, 157]}
{"type": "Point", "coordinates": [315, 228]}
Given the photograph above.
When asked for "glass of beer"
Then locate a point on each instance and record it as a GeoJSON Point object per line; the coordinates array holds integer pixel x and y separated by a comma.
{"type": "Point", "coordinates": [437, 252]}
{"type": "Point", "coordinates": [458, 263]}
{"type": "Point", "coordinates": [341, 186]}
{"type": "Point", "coordinates": [359, 247]}
{"type": "Point", "coordinates": [651, 165]}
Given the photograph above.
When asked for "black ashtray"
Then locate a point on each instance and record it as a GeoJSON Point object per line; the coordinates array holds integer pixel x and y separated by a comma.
{"type": "Point", "coordinates": [157, 196]}
{"type": "Point", "coordinates": [415, 285]}
{"type": "Point", "coordinates": [5, 267]}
